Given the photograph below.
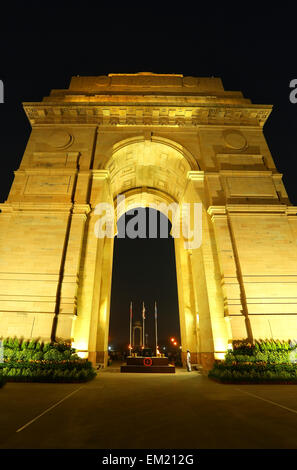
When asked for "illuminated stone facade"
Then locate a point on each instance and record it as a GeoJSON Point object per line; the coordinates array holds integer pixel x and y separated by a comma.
{"type": "Point", "coordinates": [155, 138]}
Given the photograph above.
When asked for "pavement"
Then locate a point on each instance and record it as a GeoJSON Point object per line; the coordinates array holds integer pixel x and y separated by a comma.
{"type": "Point", "coordinates": [148, 411]}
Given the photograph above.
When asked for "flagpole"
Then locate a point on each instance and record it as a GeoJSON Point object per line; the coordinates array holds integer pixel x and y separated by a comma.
{"type": "Point", "coordinates": [156, 328]}
{"type": "Point", "coordinates": [130, 352]}
{"type": "Point", "coordinates": [143, 317]}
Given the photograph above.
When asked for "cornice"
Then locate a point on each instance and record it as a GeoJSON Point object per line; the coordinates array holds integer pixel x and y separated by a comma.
{"type": "Point", "coordinates": [100, 174]}
{"type": "Point", "coordinates": [244, 209]}
{"type": "Point", "coordinates": [37, 207]}
{"type": "Point", "coordinates": [292, 210]}
{"type": "Point", "coordinates": [196, 176]}
{"type": "Point", "coordinates": [257, 208]}
{"type": "Point", "coordinates": [147, 115]}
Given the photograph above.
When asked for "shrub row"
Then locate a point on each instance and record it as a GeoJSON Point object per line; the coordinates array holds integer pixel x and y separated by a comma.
{"type": "Point", "coordinates": [35, 361]}
{"type": "Point", "coordinates": [47, 371]}
{"type": "Point", "coordinates": [249, 367]}
{"type": "Point", "coordinates": [268, 361]}
{"type": "Point", "coordinates": [79, 364]}
{"type": "Point", "coordinates": [269, 351]}
{"type": "Point", "coordinates": [17, 349]}
{"type": "Point", "coordinates": [243, 347]}
{"type": "Point", "coordinates": [255, 373]}
{"type": "Point", "coordinates": [267, 356]}
{"type": "Point", "coordinates": [34, 344]}
{"type": "Point", "coordinates": [25, 374]}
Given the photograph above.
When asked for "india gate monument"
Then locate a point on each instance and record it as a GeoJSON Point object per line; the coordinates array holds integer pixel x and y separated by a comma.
{"type": "Point", "coordinates": [154, 138]}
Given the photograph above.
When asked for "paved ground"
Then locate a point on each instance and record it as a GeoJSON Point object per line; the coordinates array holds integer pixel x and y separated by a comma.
{"type": "Point", "coordinates": [185, 410]}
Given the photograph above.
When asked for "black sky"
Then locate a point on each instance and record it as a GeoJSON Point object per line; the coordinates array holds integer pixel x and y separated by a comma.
{"type": "Point", "coordinates": [254, 51]}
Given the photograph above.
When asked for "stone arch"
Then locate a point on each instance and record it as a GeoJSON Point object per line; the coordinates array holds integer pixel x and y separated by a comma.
{"type": "Point", "coordinates": [146, 172]}
{"type": "Point", "coordinates": [144, 197]}
{"type": "Point", "coordinates": [148, 164]}
{"type": "Point", "coordinates": [136, 139]}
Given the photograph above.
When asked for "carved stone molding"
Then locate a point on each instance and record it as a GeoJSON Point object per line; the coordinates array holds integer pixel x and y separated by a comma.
{"type": "Point", "coordinates": [177, 116]}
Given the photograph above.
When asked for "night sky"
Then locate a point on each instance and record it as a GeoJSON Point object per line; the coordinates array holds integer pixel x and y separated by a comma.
{"type": "Point", "coordinates": [253, 51]}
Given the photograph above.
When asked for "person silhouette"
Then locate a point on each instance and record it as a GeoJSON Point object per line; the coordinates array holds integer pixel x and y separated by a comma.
{"type": "Point", "coordinates": [189, 368]}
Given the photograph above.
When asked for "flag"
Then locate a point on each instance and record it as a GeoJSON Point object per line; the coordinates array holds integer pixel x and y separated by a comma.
{"type": "Point", "coordinates": [130, 345]}
{"type": "Point", "coordinates": [143, 311]}
{"type": "Point", "coordinates": [156, 330]}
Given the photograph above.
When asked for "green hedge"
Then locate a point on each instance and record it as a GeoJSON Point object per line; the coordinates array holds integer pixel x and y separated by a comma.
{"type": "Point", "coordinates": [273, 357]}
{"type": "Point", "coordinates": [268, 361]}
{"type": "Point", "coordinates": [35, 361]}
{"type": "Point", "coordinates": [26, 374]}
{"type": "Point", "coordinates": [254, 373]}
{"type": "Point", "coordinates": [78, 364]}
{"type": "Point", "coordinates": [244, 347]}
{"type": "Point", "coordinates": [271, 351]}
{"type": "Point", "coordinates": [17, 349]}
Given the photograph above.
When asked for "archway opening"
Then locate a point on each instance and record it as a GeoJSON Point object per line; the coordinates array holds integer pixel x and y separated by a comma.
{"type": "Point", "coordinates": [144, 272]}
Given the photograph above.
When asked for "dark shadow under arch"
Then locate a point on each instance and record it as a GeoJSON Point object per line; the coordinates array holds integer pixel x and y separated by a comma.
{"type": "Point", "coordinates": [144, 270]}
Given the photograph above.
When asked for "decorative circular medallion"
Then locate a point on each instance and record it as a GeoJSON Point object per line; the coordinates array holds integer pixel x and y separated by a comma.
{"type": "Point", "coordinates": [60, 139]}
{"type": "Point", "coordinates": [235, 140]}
{"type": "Point", "coordinates": [102, 80]}
{"type": "Point", "coordinates": [190, 81]}
{"type": "Point", "coordinates": [147, 361]}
